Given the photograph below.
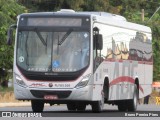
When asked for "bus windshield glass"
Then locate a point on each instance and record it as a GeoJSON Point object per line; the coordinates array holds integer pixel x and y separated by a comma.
{"type": "Point", "coordinates": [53, 51]}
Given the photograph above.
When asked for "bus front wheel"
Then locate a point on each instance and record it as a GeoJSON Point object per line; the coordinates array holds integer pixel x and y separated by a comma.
{"type": "Point", "coordinates": [81, 107]}
{"type": "Point", "coordinates": [97, 106]}
{"type": "Point", "coordinates": [37, 105]}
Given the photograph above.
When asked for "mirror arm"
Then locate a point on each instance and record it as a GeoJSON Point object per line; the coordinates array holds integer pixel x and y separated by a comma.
{"type": "Point", "coordinates": [9, 33]}
{"type": "Point", "coordinates": [13, 26]}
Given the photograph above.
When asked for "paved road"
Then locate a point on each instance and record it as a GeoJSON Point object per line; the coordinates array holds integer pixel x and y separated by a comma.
{"type": "Point", "coordinates": [109, 111]}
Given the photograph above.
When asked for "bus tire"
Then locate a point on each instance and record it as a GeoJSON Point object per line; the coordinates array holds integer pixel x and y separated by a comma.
{"type": "Point", "coordinates": [132, 104]}
{"type": "Point", "coordinates": [37, 105]}
{"type": "Point", "coordinates": [122, 106]}
{"type": "Point", "coordinates": [81, 107]}
{"type": "Point", "coordinates": [106, 89]}
{"type": "Point", "coordinates": [71, 106]}
{"type": "Point", "coordinates": [97, 106]}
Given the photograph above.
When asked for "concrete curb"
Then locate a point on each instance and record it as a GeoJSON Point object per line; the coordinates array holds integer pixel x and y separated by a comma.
{"type": "Point", "coordinates": [18, 104]}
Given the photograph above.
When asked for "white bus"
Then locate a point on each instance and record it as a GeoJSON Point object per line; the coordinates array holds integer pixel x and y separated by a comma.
{"type": "Point", "coordinates": [80, 59]}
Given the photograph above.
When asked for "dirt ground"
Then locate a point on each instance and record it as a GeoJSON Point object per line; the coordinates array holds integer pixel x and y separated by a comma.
{"type": "Point", "coordinates": [7, 97]}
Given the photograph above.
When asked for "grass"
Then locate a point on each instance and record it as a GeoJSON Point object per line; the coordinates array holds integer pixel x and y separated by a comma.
{"type": "Point", "coordinates": [6, 94]}
{"type": "Point", "coordinates": [6, 89]}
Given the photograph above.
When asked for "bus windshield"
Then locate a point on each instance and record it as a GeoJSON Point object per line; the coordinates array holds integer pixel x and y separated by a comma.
{"type": "Point", "coordinates": [53, 51]}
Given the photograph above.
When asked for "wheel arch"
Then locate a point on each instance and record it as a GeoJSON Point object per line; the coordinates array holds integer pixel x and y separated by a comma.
{"type": "Point", "coordinates": [137, 84]}
{"type": "Point", "coordinates": [106, 87]}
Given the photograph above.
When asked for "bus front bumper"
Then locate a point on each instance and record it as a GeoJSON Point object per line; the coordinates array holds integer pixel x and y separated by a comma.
{"type": "Point", "coordinates": [82, 94]}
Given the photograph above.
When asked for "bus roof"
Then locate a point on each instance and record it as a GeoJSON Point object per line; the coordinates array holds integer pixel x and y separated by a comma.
{"type": "Point", "coordinates": [72, 12]}
{"type": "Point", "coordinates": [101, 17]}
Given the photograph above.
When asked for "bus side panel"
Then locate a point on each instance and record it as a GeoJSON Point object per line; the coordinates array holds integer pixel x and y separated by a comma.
{"type": "Point", "coordinates": [126, 56]}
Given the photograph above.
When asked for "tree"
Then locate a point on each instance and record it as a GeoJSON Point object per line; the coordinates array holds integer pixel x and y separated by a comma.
{"type": "Point", "coordinates": [9, 10]}
{"type": "Point", "coordinates": [154, 24]}
{"type": "Point", "coordinates": [77, 5]}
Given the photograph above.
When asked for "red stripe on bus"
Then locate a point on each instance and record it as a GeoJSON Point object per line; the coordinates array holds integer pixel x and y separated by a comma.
{"type": "Point", "coordinates": [140, 62]}
{"type": "Point", "coordinates": [125, 79]}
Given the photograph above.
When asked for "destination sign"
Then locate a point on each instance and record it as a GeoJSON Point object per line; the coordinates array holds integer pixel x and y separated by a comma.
{"type": "Point", "coordinates": [75, 22]}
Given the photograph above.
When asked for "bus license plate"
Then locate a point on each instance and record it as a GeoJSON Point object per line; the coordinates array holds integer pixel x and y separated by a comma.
{"type": "Point", "coordinates": [50, 97]}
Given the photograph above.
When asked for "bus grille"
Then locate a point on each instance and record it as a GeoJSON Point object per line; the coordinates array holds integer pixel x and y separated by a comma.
{"type": "Point", "coordinates": [42, 93]}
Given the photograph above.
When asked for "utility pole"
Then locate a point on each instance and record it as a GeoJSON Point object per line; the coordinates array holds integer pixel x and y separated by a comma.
{"type": "Point", "coordinates": [142, 15]}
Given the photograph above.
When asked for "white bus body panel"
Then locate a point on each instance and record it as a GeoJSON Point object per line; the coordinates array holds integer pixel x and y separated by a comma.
{"type": "Point", "coordinates": [120, 72]}
{"type": "Point", "coordinates": [118, 36]}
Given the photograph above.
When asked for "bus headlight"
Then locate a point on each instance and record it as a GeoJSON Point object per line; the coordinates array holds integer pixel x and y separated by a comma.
{"type": "Point", "coordinates": [84, 81]}
{"type": "Point", "coordinates": [19, 81]}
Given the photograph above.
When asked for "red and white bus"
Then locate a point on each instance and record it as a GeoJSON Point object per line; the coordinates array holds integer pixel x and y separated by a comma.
{"type": "Point", "coordinates": [80, 59]}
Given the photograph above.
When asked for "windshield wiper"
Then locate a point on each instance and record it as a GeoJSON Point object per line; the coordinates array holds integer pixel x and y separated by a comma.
{"type": "Point", "coordinates": [26, 47]}
{"type": "Point", "coordinates": [41, 38]}
{"type": "Point", "coordinates": [65, 36]}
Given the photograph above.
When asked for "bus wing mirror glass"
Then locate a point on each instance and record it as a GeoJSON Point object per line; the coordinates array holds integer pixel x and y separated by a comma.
{"type": "Point", "coordinates": [98, 42]}
{"type": "Point", "coordinates": [10, 34]}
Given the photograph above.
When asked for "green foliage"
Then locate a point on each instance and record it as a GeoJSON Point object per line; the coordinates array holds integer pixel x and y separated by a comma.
{"type": "Point", "coordinates": [96, 5]}
{"type": "Point", "coordinates": [154, 24]}
{"type": "Point", "coordinates": [78, 5]}
{"type": "Point", "coordinates": [3, 89]}
{"type": "Point", "coordinates": [9, 10]}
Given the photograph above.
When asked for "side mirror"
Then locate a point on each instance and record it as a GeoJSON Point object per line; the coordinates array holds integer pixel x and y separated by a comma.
{"type": "Point", "coordinates": [98, 42]}
{"type": "Point", "coordinates": [10, 34]}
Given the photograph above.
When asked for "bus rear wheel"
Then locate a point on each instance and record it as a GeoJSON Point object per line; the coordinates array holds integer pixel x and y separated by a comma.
{"type": "Point", "coordinates": [37, 105]}
{"type": "Point", "coordinates": [132, 104]}
{"type": "Point", "coordinates": [122, 106]}
{"type": "Point", "coordinates": [97, 106]}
